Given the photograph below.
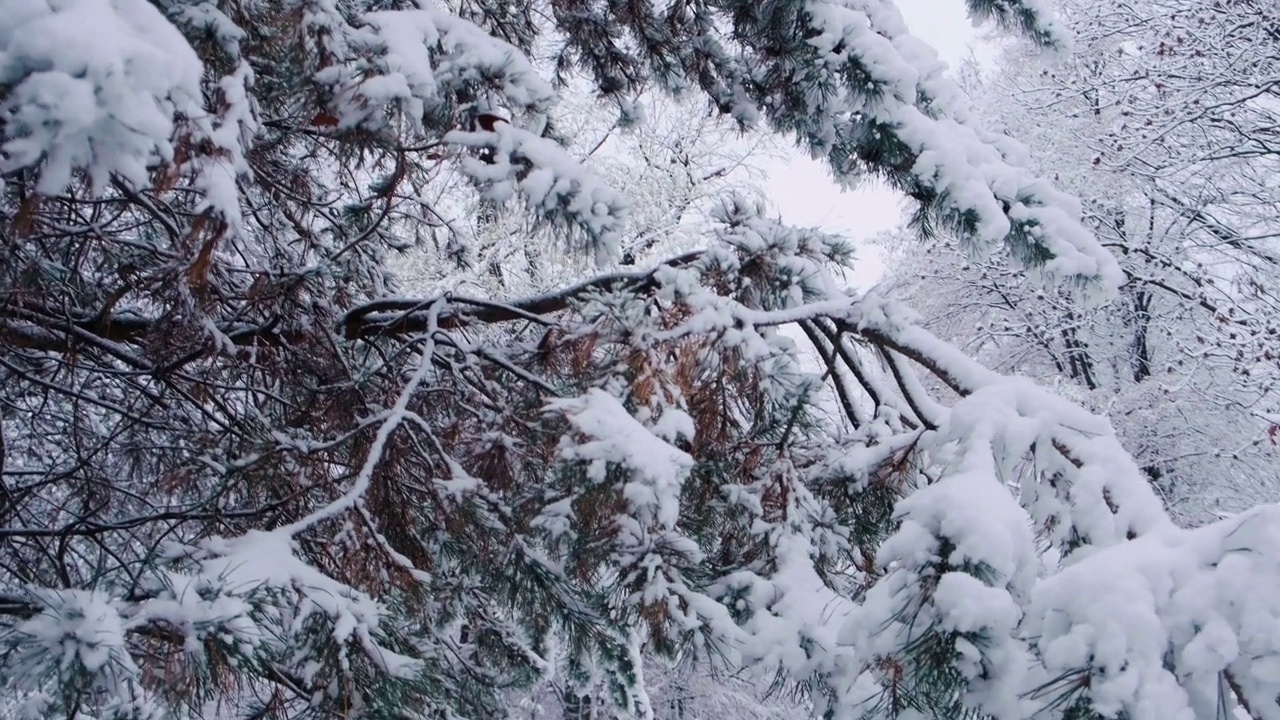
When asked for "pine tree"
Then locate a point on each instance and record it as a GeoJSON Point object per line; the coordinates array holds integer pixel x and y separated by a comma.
{"type": "Point", "coordinates": [243, 477]}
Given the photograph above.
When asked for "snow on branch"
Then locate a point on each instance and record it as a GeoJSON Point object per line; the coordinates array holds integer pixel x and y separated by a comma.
{"type": "Point", "coordinates": [614, 437]}
{"type": "Point", "coordinates": [424, 60]}
{"type": "Point", "coordinates": [247, 598]}
{"type": "Point", "coordinates": [515, 162]}
{"type": "Point", "coordinates": [873, 99]}
{"type": "Point", "coordinates": [92, 85]}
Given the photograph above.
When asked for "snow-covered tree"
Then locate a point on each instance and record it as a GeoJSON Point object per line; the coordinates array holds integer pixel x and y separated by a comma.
{"type": "Point", "coordinates": [1160, 124]}
{"type": "Point", "coordinates": [245, 477]}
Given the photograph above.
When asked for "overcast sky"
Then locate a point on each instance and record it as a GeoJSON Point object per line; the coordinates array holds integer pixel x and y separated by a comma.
{"type": "Point", "coordinates": [802, 189]}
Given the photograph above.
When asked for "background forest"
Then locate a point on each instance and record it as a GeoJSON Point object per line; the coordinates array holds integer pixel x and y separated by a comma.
{"type": "Point", "coordinates": [388, 359]}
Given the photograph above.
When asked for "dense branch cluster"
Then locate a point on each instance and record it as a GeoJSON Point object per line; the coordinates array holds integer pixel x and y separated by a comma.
{"type": "Point", "coordinates": [243, 476]}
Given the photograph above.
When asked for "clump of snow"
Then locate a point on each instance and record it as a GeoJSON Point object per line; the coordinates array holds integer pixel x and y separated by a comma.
{"type": "Point", "coordinates": [1155, 622]}
{"type": "Point", "coordinates": [428, 54]}
{"type": "Point", "coordinates": [614, 436]}
{"type": "Point", "coordinates": [95, 86]}
{"type": "Point", "coordinates": [78, 627]}
{"type": "Point", "coordinates": [82, 636]}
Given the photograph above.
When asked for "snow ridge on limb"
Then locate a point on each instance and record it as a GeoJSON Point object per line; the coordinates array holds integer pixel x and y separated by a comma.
{"type": "Point", "coordinates": [1103, 507]}
{"type": "Point", "coordinates": [906, 122]}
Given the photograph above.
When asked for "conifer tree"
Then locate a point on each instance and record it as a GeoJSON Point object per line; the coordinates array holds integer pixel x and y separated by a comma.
{"type": "Point", "coordinates": [244, 477]}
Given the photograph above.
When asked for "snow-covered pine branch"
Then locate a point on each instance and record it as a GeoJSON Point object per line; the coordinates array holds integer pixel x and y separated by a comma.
{"type": "Point", "coordinates": [244, 476]}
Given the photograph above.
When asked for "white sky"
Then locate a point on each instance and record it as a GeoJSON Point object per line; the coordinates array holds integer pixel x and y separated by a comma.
{"type": "Point", "coordinates": [801, 189]}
